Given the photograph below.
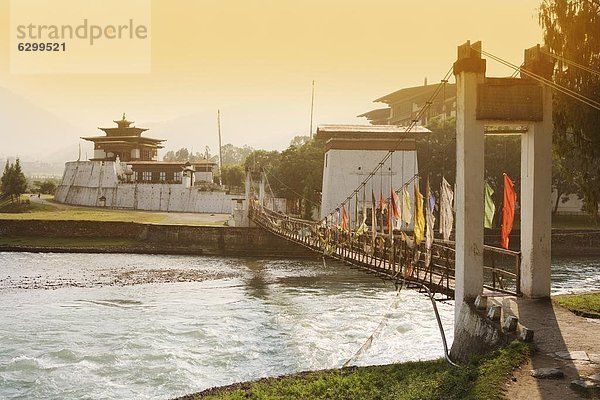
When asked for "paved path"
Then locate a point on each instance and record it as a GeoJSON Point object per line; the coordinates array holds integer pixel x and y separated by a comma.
{"type": "Point", "coordinates": [556, 330]}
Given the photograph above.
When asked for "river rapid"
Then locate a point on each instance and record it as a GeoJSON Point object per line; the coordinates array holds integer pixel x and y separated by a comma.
{"type": "Point", "coordinates": [76, 326]}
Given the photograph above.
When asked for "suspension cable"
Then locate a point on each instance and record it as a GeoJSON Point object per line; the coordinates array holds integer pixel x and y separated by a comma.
{"type": "Point", "coordinates": [569, 92]}
{"type": "Point", "coordinates": [569, 62]}
{"type": "Point", "coordinates": [408, 129]}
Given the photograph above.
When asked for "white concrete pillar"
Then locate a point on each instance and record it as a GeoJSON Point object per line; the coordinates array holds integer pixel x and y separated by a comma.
{"type": "Point", "coordinates": [247, 187]}
{"type": "Point", "coordinates": [469, 71]}
{"type": "Point", "coordinates": [261, 191]}
{"type": "Point", "coordinates": [536, 204]}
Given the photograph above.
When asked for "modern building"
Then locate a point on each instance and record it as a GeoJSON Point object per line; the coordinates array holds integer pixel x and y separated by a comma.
{"type": "Point", "coordinates": [404, 105]}
{"type": "Point", "coordinates": [352, 152]}
{"type": "Point", "coordinates": [125, 173]}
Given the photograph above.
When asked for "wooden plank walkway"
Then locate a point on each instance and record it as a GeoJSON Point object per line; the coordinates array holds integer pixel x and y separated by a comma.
{"type": "Point", "coordinates": [394, 258]}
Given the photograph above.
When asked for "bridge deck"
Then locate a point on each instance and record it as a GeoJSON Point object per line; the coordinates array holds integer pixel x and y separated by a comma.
{"type": "Point", "coordinates": [394, 258]}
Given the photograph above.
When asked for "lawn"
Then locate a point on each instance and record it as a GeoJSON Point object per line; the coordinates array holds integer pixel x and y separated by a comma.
{"type": "Point", "coordinates": [50, 210]}
{"type": "Point", "coordinates": [585, 304]}
{"type": "Point", "coordinates": [483, 378]}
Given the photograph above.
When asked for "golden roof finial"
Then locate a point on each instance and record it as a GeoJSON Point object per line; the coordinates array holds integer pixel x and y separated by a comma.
{"type": "Point", "coordinates": [123, 116]}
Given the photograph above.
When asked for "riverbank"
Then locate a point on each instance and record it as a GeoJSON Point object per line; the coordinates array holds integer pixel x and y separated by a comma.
{"type": "Point", "coordinates": [153, 238]}
{"type": "Point", "coordinates": [482, 378]}
{"type": "Point", "coordinates": [142, 238]}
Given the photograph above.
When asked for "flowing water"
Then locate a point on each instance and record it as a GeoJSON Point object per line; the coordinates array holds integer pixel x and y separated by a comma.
{"type": "Point", "coordinates": [148, 326]}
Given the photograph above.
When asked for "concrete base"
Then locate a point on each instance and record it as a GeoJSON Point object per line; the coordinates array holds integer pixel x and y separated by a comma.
{"type": "Point", "coordinates": [474, 334]}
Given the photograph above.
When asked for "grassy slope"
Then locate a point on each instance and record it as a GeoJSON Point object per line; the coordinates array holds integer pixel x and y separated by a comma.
{"type": "Point", "coordinates": [586, 304]}
{"type": "Point", "coordinates": [483, 378]}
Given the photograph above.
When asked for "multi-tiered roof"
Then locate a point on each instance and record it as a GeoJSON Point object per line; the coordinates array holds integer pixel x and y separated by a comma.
{"type": "Point", "coordinates": [125, 142]}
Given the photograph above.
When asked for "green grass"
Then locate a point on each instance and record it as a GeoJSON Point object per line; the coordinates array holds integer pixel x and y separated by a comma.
{"type": "Point", "coordinates": [586, 304]}
{"type": "Point", "coordinates": [482, 378]}
{"type": "Point", "coordinates": [82, 214]}
{"type": "Point", "coordinates": [23, 207]}
{"type": "Point", "coordinates": [38, 211]}
{"type": "Point", "coordinates": [68, 242]}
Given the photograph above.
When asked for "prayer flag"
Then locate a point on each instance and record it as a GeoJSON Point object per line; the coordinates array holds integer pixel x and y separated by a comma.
{"type": "Point", "coordinates": [490, 208]}
{"type": "Point", "coordinates": [430, 225]}
{"type": "Point", "coordinates": [508, 209]}
{"type": "Point", "coordinates": [406, 207]}
{"type": "Point", "coordinates": [446, 212]}
{"type": "Point", "coordinates": [419, 228]}
{"type": "Point", "coordinates": [344, 218]}
{"type": "Point", "coordinates": [373, 217]}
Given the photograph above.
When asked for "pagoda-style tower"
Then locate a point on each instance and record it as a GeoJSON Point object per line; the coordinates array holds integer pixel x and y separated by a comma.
{"type": "Point", "coordinates": [125, 142]}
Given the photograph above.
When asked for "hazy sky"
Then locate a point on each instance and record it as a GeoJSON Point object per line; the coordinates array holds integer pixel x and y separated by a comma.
{"type": "Point", "coordinates": [255, 61]}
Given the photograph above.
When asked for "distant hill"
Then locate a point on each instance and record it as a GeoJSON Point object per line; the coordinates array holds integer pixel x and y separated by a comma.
{"type": "Point", "coordinates": [33, 133]}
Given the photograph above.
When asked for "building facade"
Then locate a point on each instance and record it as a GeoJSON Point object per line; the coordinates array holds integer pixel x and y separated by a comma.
{"type": "Point", "coordinates": [404, 105]}
{"type": "Point", "coordinates": [352, 152]}
{"type": "Point", "coordinates": [125, 173]}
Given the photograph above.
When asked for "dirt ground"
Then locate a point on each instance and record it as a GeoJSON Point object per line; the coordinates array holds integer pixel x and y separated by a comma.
{"type": "Point", "coordinates": [556, 330]}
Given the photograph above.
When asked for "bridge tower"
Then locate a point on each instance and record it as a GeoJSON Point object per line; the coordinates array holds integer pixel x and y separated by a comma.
{"type": "Point", "coordinates": [526, 105]}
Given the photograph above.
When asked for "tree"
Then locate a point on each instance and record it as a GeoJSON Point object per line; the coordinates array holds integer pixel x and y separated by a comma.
{"type": "Point", "coordinates": [184, 154]}
{"type": "Point", "coordinates": [46, 187]}
{"type": "Point", "coordinates": [299, 175]}
{"type": "Point", "coordinates": [235, 155]}
{"type": "Point", "coordinates": [5, 178]}
{"type": "Point", "coordinates": [572, 31]}
{"type": "Point", "coordinates": [436, 152]}
{"type": "Point", "coordinates": [13, 181]}
{"type": "Point", "coordinates": [233, 175]}
{"type": "Point", "coordinates": [259, 160]}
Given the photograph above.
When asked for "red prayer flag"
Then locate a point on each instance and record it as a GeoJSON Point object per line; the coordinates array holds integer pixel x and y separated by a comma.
{"type": "Point", "coordinates": [344, 218]}
{"type": "Point", "coordinates": [394, 204]}
{"type": "Point", "coordinates": [508, 209]}
{"type": "Point", "coordinates": [382, 203]}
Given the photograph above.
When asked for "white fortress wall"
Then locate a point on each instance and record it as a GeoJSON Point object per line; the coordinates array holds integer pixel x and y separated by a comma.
{"type": "Point", "coordinates": [345, 170]}
{"type": "Point", "coordinates": [85, 182]}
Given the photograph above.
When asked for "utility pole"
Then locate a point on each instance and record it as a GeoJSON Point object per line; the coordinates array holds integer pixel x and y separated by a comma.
{"type": "Point", "coordinates": [312, 107]}
{"type": "Point", "coordinates": [220, 148]}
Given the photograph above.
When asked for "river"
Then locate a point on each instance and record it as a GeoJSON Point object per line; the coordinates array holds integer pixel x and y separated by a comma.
{"type": "Point", "coordinates": [149, 326]}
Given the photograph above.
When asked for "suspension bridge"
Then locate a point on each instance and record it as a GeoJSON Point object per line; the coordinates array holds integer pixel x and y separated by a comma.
{"type": "Point", "coordinates": [464, 269]}
{"type": "Point", "coordinates": [393, 257]}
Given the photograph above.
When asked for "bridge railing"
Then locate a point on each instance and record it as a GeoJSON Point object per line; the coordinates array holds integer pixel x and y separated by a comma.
{"type": "Point", "coordinates": [393, 256]}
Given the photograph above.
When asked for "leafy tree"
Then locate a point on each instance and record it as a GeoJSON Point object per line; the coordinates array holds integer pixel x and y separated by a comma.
{"type": "Point", "coordinates": [233, 175]}
{"type": "Point", "coordinates": [184, 154]}
{"type": "Point", "coordinates": [436, 152]}
{"type": "Point", "coordinates": [235, 155]}
{"type": "Point", "coordinates": [300, 175]}
{"type": "Point", "coordinates": [572, 31]}
{"type": "Point", "coordinates": [46, 187]}
{"type": "Point", "coordinates": [259, 160]}
{"type": "Point", "coordinates": [299, 140]}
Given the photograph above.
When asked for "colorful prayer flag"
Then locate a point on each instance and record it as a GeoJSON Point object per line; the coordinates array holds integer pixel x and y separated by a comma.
{"type": "Point", "coordinates": [419, 228]}
{"type": "Point", "coordinates": [508, 209]}
{"type": "Point", "coordinates": [446, 212]}
{"type": "Point", "coordinates": [406, 213]}
{"type": "Point", "coordinates": [344, 225]}
{"type": "Point", "coordinates": [490, 207]}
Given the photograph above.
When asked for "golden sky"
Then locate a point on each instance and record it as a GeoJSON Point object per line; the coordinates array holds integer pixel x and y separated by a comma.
{"type": "Point", "coordinates": [255, 60]}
